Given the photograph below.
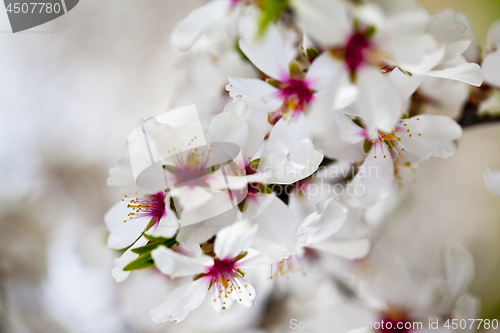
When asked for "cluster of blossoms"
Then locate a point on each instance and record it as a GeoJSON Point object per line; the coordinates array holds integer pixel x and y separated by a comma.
{"type": "Point", "coordinates": [328, 85]}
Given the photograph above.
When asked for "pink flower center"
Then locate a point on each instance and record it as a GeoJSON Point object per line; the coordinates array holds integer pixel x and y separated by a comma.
{"type": "Point", "coordinates": [192, 170]}
{"type": "Point", "coordinates": [354, 51]}
{"type": "Point", "coordinates": [222, 268]}
{"type": "Point", "coordinates": [150, 205]}
{"type": "Point", "coordinates": [226, 279]}
{"type": "Point", "coordinates": [296, 94]}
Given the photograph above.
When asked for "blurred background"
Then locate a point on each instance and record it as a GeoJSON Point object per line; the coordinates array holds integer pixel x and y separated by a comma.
{"type": "Point", "coordinates": [72, 89]}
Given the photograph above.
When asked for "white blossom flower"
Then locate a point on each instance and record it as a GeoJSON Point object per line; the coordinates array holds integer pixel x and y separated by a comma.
{"type": "Point", "coordinates": [200, 78]}
{"type": "Point", "coordinates": [130, 217]}
{"type": "Point", "coordinates": [322, 226]}
{"type": "Point", "coordinates": [411, 141]}
{"type": "Point", "coordinates": [287, 96]}
{"type": "Point", "coordinates": [246, 126]}
{"type": "Point", "coordinates": [318, 234]}
{"type": "Point", "coordinates": [223, 272]}
{"type": "Point", "coordinates": [395, 294]}
{"type": "Point", "coordinates": [387, 37]}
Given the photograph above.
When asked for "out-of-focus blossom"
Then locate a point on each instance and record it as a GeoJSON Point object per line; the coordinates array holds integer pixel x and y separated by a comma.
{"type": "Point", "coordinates": [492, 180]}
{"type": "Point", "coordinates": [411, 141]}
{"type": "Point", "coordinates": [491, 60]}
{"type": "Point", "coordinates": [208, 24]}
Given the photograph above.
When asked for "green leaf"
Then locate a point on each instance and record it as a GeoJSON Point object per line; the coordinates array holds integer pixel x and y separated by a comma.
{"type": "Point", "coordinates": [264, 189]}
{"type": "Point", "coordinates": [274, 83]}
{"type": "Point", "coordinates": [240, 256]}
{"type": "Point", "coordinates": [152, 238]}
{"type": "Point", "coordinates": [357, 122]}
{"type": "Point", "coordinates": [405, 72]}
{"type": "Point", "coordinates": [143, 262]}
{"type": "Point", "coordinates": [367, 145]}
{"type": "Point", "coordinates": [146, 248]}
{"type": "Point", "coordinates": [242, 205]}
{"type": "Point", "coordinates": [242, 272]}
{"type": "Point", "coordinates": [154, 243]}
{"type": "Point", "coordinates": [295, 71]}
{"type": "Point", "coordinates": [254, 165]}
{"type": "Point", "coordinates": [370, 32]}
{"type": "Point", "coordinates": [311, 54]}
{"type": "Point", "coordinates": [271, 11]}
{"type": "Point", "coordinates": [199, 276]}
{"type": "Point", "coordinates": [151, 223]}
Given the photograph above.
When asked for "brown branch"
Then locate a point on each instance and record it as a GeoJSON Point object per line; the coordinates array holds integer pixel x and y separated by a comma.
{"type": "Point", "coordinates": [470, 116]}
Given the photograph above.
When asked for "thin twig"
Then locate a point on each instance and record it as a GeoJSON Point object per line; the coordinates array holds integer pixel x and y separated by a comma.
{"type": "Point", "coordinates": [470, 116]}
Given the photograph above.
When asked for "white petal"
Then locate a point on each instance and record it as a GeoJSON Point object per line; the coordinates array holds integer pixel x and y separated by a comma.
{"type": "Point", "coordinates": [168, 225]}
{"type": "Point", "coordinates": [253, 259]}
{"type": "Point", "coordinates": [233, 182]}
{"type": "Point", "coordinates": [180, 302]}
{"type": "Point", "coordinates": [397, 285]}
{"type": "Point", "coordinates": [321, 122]}
{"type": "Point", "coordinates": [492, 180]}
{"type": "Point", "coordinates": [220, 301]}
{"type": "Point", "coordinates": [122, 234]}
{"type": "Point", "coordinates": [468, 307]}
{"type": "Point", "coordinates": [277, 233]}
{"type": "Point", "coordinates": [379, 103]}
{"type": "Point", "coordinates": [473, 52]}
{"type": "Point", "coordinates": [118, 273]}
{"type": "Point", "coordinates": [121, 174]}
{"type": "Point", "coordinates": [267, 53]}
{"type": "Point", "coordinates": [201, 232]}
{"type": "Point", "coordinates": [245, 295]}
{"type": "Point", "coordinates": [190, 197]}
{"type": "Point", "coordinates": [323, 71]}
{"type": "Point", "coordinates": [241, 124]}
{"type": "Point", "coordinates": [349, 131]}
{"type": "Point", "coordinates": [234, 239]}
{"type": "Point", "coordinates": [347, 249]}
{"type": "Point", "coordinates": [405, 84]}
{"type": "Point", "coordinates": [438, 136]}
{"type": "Point", "coordinates": [256, 93]}
{"type": "Point", "coordinates": [493, 38]}
{"type": "Point", "coordinates": [459, 272]}
{"type": "Point", "coordinates": [404, 17]}
{"type": "Point", "coordinates": [416, 54]}
{"type": "Point", "coordinates": [176, 265]}
{"type": "Point", "coordinates": [446, 92]}
{"type": "Point", "coordinates": [197, 22]}
{"type": "Point", "coordinates": [459, 70]}
{"type": "Point", "coordinates": [290, 154]}
{"type": "Point", "coordinates": [325, 21]}
{"type": "Point", "coordinates": [449, 31]}
{"type": "Point", "coordinates": [491, 68]}
{"type": "Point", "coordinates": [375, 178]}
{"type": "Point", "coordinates": [325, 222]}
